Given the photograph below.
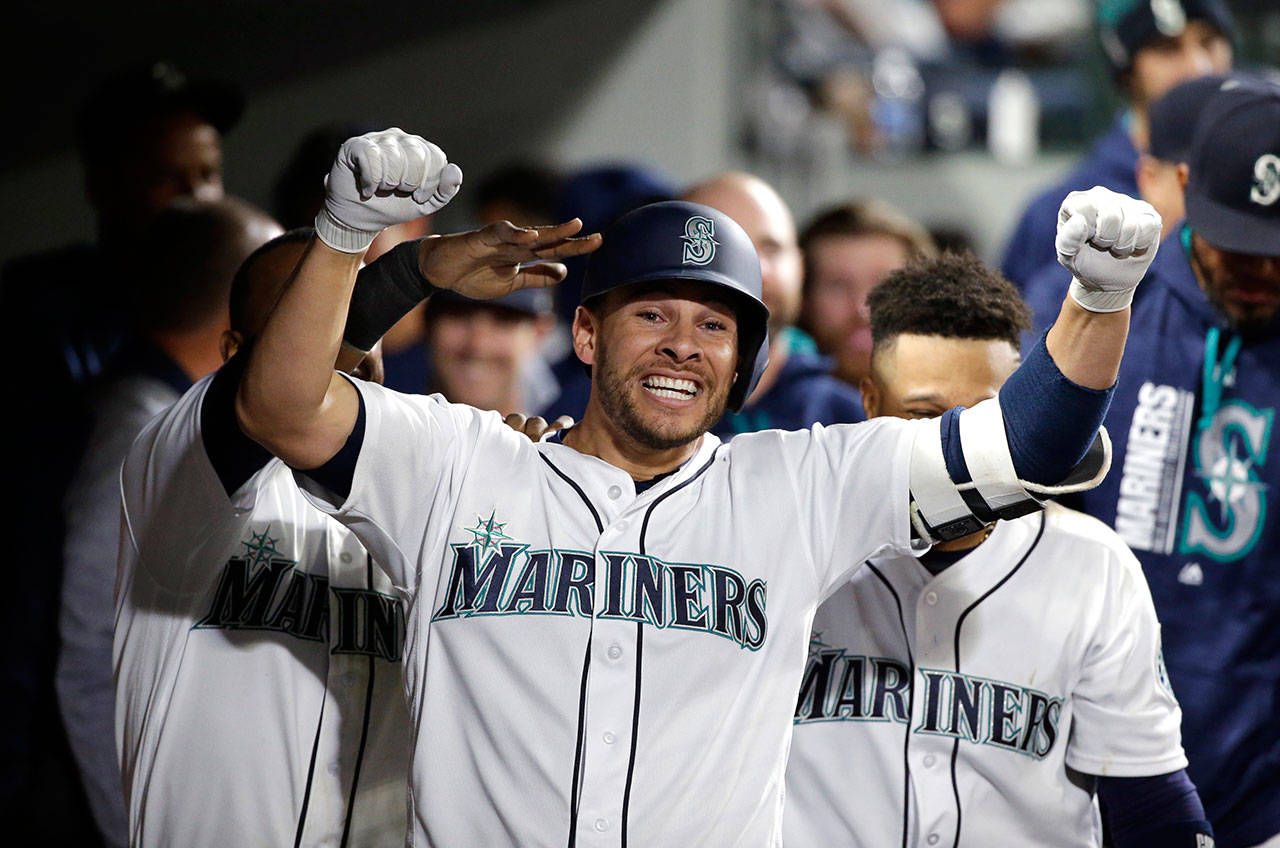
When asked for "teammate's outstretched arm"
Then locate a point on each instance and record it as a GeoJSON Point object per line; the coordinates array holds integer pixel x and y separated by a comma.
{"type": "Point", "coordinates": [1040, 437]}
{"type": "Point", "coordinates": [291, 400]}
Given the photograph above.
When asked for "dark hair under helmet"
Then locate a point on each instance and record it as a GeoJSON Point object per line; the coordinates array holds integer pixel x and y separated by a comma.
{"type": "Point", "coordinates": [675, 240]}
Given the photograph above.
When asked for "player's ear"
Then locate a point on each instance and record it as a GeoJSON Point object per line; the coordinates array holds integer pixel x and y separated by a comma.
{"type": "Point", "coordinates": [1184, 173]}
{"type": "Point", "coordinates": [585, 330]}
{"type": "Point", "coordinates": [229, 343]}
{"type": "Point", "coordinates": [870, 396]}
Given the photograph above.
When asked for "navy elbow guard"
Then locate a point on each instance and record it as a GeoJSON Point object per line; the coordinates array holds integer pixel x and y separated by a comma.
{"type": "Point", "coordinates": [386, 289]}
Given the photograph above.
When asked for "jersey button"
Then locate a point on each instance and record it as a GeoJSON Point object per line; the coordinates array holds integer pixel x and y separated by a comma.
{"type": "Point", "coordinates": [344, 556]}
{"type": "Point", "coordinates": [609, 738]}
{"type": "Point", "coordinates": [621, 526]}
{"type": "Point", "coordinates": [615, 492]}
{"type": "Point", "coordinates": [615, 652]}
{"type": "Point", "coordinates": [602, 825]}
{"type": "Point", "coordinates": [931, 598]}
{"type": "Point", "coordinates": [929, 761]}
{"type": "Point", "coordinates": [933, 839]}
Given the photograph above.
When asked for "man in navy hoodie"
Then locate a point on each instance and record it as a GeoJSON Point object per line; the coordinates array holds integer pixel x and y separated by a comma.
{"type": "Point", "coordinates": [1150, 46]}
{"type": "Point", "coordinates": [1195, 469]}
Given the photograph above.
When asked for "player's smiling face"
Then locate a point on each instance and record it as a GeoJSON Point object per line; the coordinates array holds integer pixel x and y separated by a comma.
{"type": "Point", "coordinates": [663, 358]}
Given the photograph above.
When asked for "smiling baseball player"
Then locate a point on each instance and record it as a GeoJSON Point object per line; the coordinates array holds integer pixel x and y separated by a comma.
{"type": "Point", "coordinates": [608, 629]}
{"type": "Point", "coordinates": [995, 684]}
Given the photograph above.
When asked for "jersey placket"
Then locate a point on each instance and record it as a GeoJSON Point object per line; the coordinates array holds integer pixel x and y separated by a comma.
{"type": "Point", "coordinates": [612, 683]}
{"type": "Point", "coordinates": [930, 756]}
{"type": "Point", "coordinates": [347, 680]}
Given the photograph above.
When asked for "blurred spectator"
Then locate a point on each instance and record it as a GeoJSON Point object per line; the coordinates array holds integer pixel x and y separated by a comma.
{"type": "Point", "coordinates": [848, 251]}
{"type": "Point", "coordinates": [194, 248]}
{"type": "Point", "coordinates": [797, 389]}
{"type": "Point", "coordinates": [298, 195]}
{"type": "Point", "coordinates": [1150, 47]}
{"type": "Point", "coordinates": [145, 136]}
{"type": "Point", "coordinates": [1195, 470]}
{"type": "Point", "coordinates": [485, 353]}
{"type": "Point", "coordinates": [525, 193]}
{"type": "Point", "coordinates": [888, 71]}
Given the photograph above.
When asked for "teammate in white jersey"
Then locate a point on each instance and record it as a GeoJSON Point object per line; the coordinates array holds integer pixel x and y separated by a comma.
{"type": "Point", "coordinates": [994, 684]}
{"type": "Point", "coordinates": [259, 698]}
{"type": "Point", "coordinates": [607, 630]}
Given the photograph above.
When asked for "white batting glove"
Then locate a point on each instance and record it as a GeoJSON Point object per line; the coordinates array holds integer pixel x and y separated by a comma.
{"type": "Point", "coordinates": [380, 179]}
{"type": "Point", "coordinates": [1107, 241]}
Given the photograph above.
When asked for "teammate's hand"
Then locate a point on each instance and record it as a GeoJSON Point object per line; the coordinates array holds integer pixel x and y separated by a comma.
{"type": "Point", "coordinates": [536, 427]}
{"type": "Point", "coordinates": [379, 179]}
{"type": "Point", "coordinates": [500, 258]}
{"type": "Point", "coordinates": [1107, 241]}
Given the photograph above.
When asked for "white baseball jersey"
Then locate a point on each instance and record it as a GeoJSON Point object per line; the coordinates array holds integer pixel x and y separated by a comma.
{"type": "Point", "coordinates": [967, 708]}
{"type": "Point", "coordinates": [590, 667]}
{"type": "Point", "coordinates": [259, 698]}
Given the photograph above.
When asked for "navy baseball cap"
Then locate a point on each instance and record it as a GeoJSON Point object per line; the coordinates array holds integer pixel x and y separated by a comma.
{"type": "Point", "coordinates": [1173, 117]}
{"type": "Point", "coordinates": [153, 89]}
{"type": "Point", "coordinates": [1233, 192]}
{"type": "Point", "coordinates": [1126, 26]}
{"type": "Point", "coordinates": [530, 302]}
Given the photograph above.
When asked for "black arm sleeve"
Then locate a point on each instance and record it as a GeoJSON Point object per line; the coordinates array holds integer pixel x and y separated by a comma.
{"type": "Point", "coordinates": [386, 289]}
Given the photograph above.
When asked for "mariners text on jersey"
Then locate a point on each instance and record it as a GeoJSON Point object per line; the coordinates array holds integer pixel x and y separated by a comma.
{"type": "Point", "coordinates": [840, 686]}
{"type": "Point", "coordinates": [512, 580]}
{"type": "Point", "coordinates": [264, 590]}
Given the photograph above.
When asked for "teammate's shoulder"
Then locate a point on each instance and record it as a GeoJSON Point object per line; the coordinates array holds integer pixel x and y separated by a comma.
{"type": "Point", "coordinates": [1084, 531]}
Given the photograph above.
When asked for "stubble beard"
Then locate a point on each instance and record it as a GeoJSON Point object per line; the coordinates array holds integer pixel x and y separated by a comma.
{"type": "Point", "coordinates": [611, 388]}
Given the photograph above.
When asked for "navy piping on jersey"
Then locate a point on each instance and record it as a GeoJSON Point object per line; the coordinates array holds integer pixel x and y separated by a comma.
{"type": "Point", "coordinates": [234, 456]}
{"type": "Point", "coordinates": [586, 667]}
{"type": "Point", "coordinates": [364, 725]}
{"type": "Point", "coordinates": [338, 474]}
{"type": "Point", "coordinates": [635, 713]}
{"type": "Point", "coordinates": [955, 746]}
{"type": "Point", "coordinates": [311, 771]}
{"type": "Point", "coordinates": [911, 703]}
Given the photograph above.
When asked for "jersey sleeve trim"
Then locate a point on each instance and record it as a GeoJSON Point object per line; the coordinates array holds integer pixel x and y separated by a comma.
{"type": "Point", "coordinates": [337, 476]}
{"type": "Point", "coordinates": [234, 456]}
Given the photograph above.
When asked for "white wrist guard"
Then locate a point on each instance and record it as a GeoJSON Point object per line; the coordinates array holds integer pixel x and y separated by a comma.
{"type": "Point", "coordinates": [1100, 300]}
{"type": "Point", "coordinates": [340, 237]}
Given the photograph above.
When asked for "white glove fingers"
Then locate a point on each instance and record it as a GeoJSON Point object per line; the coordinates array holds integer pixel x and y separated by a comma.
{"type": "Point", "coordinates": [1072, 234]}
{"type": "Point", "coordinates": [366, 164]}
{"type": "Point", "coordinates": [1108, 226]}
{"type": "Point", "coordinates": [448, 185]}
{"type": "Point", "coordinates": [1079, 203]}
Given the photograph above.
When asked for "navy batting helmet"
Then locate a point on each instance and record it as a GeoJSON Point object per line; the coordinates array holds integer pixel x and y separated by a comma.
{"type": "Point", "coordinates": [675, 240]}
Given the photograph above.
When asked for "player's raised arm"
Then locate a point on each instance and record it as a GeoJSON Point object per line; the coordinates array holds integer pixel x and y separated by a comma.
{"type": "Point", "coordinates": [1041, 436]}
{"type": "Point", "coordinates": [291, 400]}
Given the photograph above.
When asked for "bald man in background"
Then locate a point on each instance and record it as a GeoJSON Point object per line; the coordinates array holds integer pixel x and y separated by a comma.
{"type": "Point", "coordinates": [797, 389]}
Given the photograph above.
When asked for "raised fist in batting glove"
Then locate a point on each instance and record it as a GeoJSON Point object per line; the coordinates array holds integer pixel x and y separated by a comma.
{"type": "Point", "coordinates": [380, 179]}
{"type": "Point", "coordinates": [1107, 241]}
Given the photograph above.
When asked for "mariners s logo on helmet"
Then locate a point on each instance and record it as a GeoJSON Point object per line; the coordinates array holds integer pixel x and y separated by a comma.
{"type": "Point", "coordinates": [1266, 180]}
{"type": "Point", "coordinates": [699, 240]}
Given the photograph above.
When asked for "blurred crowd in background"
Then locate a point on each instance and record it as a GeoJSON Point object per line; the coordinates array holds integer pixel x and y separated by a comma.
{"type": "Point", "coordinates": [113, 330]}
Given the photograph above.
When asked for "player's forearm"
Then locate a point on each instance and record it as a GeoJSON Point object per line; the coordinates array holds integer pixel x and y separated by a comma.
{"type": "Point", "coordinates": [290, 399]}
{"type": "Point", "coordinates": [1087, 346]}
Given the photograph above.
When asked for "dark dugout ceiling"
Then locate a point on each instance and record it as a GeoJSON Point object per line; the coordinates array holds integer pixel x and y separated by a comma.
{"type": "Point", "coordinates": [56, 51]}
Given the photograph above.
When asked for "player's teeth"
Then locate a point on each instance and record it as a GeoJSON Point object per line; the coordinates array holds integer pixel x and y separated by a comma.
{"type": "Point", "coordinates": [685, 387]}
{"type": "Point", "coordinates": [668, 393]}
